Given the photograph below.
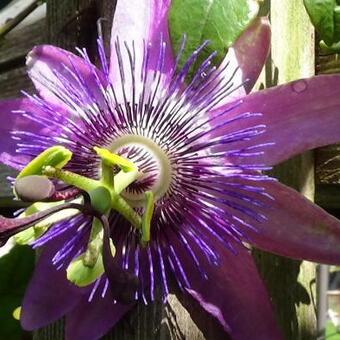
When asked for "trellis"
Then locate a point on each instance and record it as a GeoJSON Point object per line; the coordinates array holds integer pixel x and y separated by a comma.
{"type": "Point", "coordinates": [291, 284]}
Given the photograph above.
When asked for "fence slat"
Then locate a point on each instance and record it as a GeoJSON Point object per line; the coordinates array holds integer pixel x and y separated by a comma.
{"type": "Point", "coordinates": [290, 282]}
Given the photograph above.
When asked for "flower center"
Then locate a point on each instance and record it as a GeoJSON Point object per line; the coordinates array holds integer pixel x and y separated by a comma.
{"type": "Point", "coordinates": [153, 164]}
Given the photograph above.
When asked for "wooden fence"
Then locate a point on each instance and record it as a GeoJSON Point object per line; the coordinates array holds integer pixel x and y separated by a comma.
{"type": "Point", "coordinates": [70, 23]}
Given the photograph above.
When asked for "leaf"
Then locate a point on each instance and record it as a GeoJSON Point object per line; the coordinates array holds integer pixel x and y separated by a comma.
{"type": "Point", "coordinates": [16, 269]}
{"type": "Point", "coordinates": [322, 17]}
{"type": "Point", "coordinates": [220, 21]}
{"type": "Point", "coordinates": [336, 24]}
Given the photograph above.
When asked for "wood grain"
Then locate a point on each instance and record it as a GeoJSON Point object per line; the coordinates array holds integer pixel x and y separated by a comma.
{"type": "Point", "coordinates": [19, 42]}
{"type": "Point", "coordinates": [327, 159]}
{"type": "Point", "coordinates": [289, 282]}
{"type": "Point", "coordinates": [13, 79]}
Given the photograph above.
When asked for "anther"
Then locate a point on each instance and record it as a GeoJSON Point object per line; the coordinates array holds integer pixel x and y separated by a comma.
{"type": "Point", "coordinates": [34, 188]}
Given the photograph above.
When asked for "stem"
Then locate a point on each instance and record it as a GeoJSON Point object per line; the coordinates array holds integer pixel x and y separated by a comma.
{"type": "Point", "coordinates": [107, 177]}
{"type": "Point", "coordinates": [123, 179]}
{"type": "Point", "coordinates": [11, 226]}
{"type": "Point", "coordinates": [120, 205]}
{"type": "Point", "coordinates": [88, 185]}
{"type": "Point", "coordinates": [71, 178]}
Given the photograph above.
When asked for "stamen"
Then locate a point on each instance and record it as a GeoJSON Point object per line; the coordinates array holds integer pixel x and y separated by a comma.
{"type": "Point", "coordinates": [56, 156]}
{"type": "Point", "coordinates": [146, 221]}
{"type": "Point", "coordinates": [167, 140]}
{"type": "Point", "coordinates": [34, 188]}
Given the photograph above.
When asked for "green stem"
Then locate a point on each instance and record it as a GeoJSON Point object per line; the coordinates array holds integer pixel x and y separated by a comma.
{"type": "Point", "coordinates": [71, 178]}
{"type": "Point", "coordinates": [120, 205]}
{"type": "Point", "coordinates": [107, 176]}
{"type": "Point", "coordinates": [88, 185]}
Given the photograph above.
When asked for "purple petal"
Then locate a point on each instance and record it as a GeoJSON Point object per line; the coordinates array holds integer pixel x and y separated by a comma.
{"type": "Point", "coordinates": [229, 287]}
{"type": "Point", "coordinates": [238, 298]}
{"type": "Point", "coordinates": [53, 70]}
{"type": "Point", "coordinates": [247, 55]}
{"type": "Point", "coordinates": [251, 50]}
{"type": "Point", "coordinates": [138, 23]}
{"type": "Point", "coordinates": [16, 122]}
{"type": "Point", "coordinates": [295, 227]}
{"type": "Point", "coordinates": [49, 294]}
{"type": "Point", "coordinates": [299, 116]}
{"type": "Point", "coordinates": [91, 320]}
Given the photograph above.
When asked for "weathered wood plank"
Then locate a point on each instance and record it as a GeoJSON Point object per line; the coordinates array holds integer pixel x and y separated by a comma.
{"type": "Point", "coordinates": [328, 197]}
{"type": "Point", "coordinates": [13, 81]}
{"type": "Point", "coordinates": [14, 8]}
{"type": "Point", "coordinates": [13, 76]}
{"type": "Point", "coordinates": [288, 281]}
{"type": "Point", "coordinates": [327, 159]}
{"type": "Point", "coordinates": [291, 33]}
{"type": "Point", "coordinates": [327, 169]}
{"type": "Point", "coordinates": [327, 63]}
{"type": "Point", "coordinates": [19, 42]}
{"type": "Point", "coordinates": [5, 190]}
{"type": "Point", "coordinates": [71, 24]}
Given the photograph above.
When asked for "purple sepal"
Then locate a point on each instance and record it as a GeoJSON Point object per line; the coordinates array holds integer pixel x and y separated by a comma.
{"type": "Point", "coordinates": [238, 298]}
{"type": "Point", "coordinates": [294, 227]}
{"type": "Point", "coordinates": [91, 320]}
{"type": "Point", "coordinates": [298, 116]}
{"type": "Point", "coordinates": [49, 294]}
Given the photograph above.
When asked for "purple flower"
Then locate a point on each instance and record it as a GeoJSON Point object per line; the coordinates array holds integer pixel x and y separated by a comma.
{"type": "Point", "coordinates": [199, 147]}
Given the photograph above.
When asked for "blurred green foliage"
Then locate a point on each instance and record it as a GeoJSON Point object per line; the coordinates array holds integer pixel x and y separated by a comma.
{"type": "Point", "coordinates": [16, 268]}
{"type": "Point", "coordinates": [219, 21]}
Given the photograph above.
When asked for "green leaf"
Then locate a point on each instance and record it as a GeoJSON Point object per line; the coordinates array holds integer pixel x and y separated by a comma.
{"type": "Point", "coordinates": [334, 48]}
{"type": "Point", "coordinates": [322, 17]}
{"type": "Point", "coordinates": [16, 269]}
{"type": "Point", "coordinates": [220, 21]}
{"type": "Point", "coordinates": [336, 24]}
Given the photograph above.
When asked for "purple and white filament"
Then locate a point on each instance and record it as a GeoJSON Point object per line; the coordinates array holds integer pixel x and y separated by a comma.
{"type": "Point", "coordinates": [164, 125]}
